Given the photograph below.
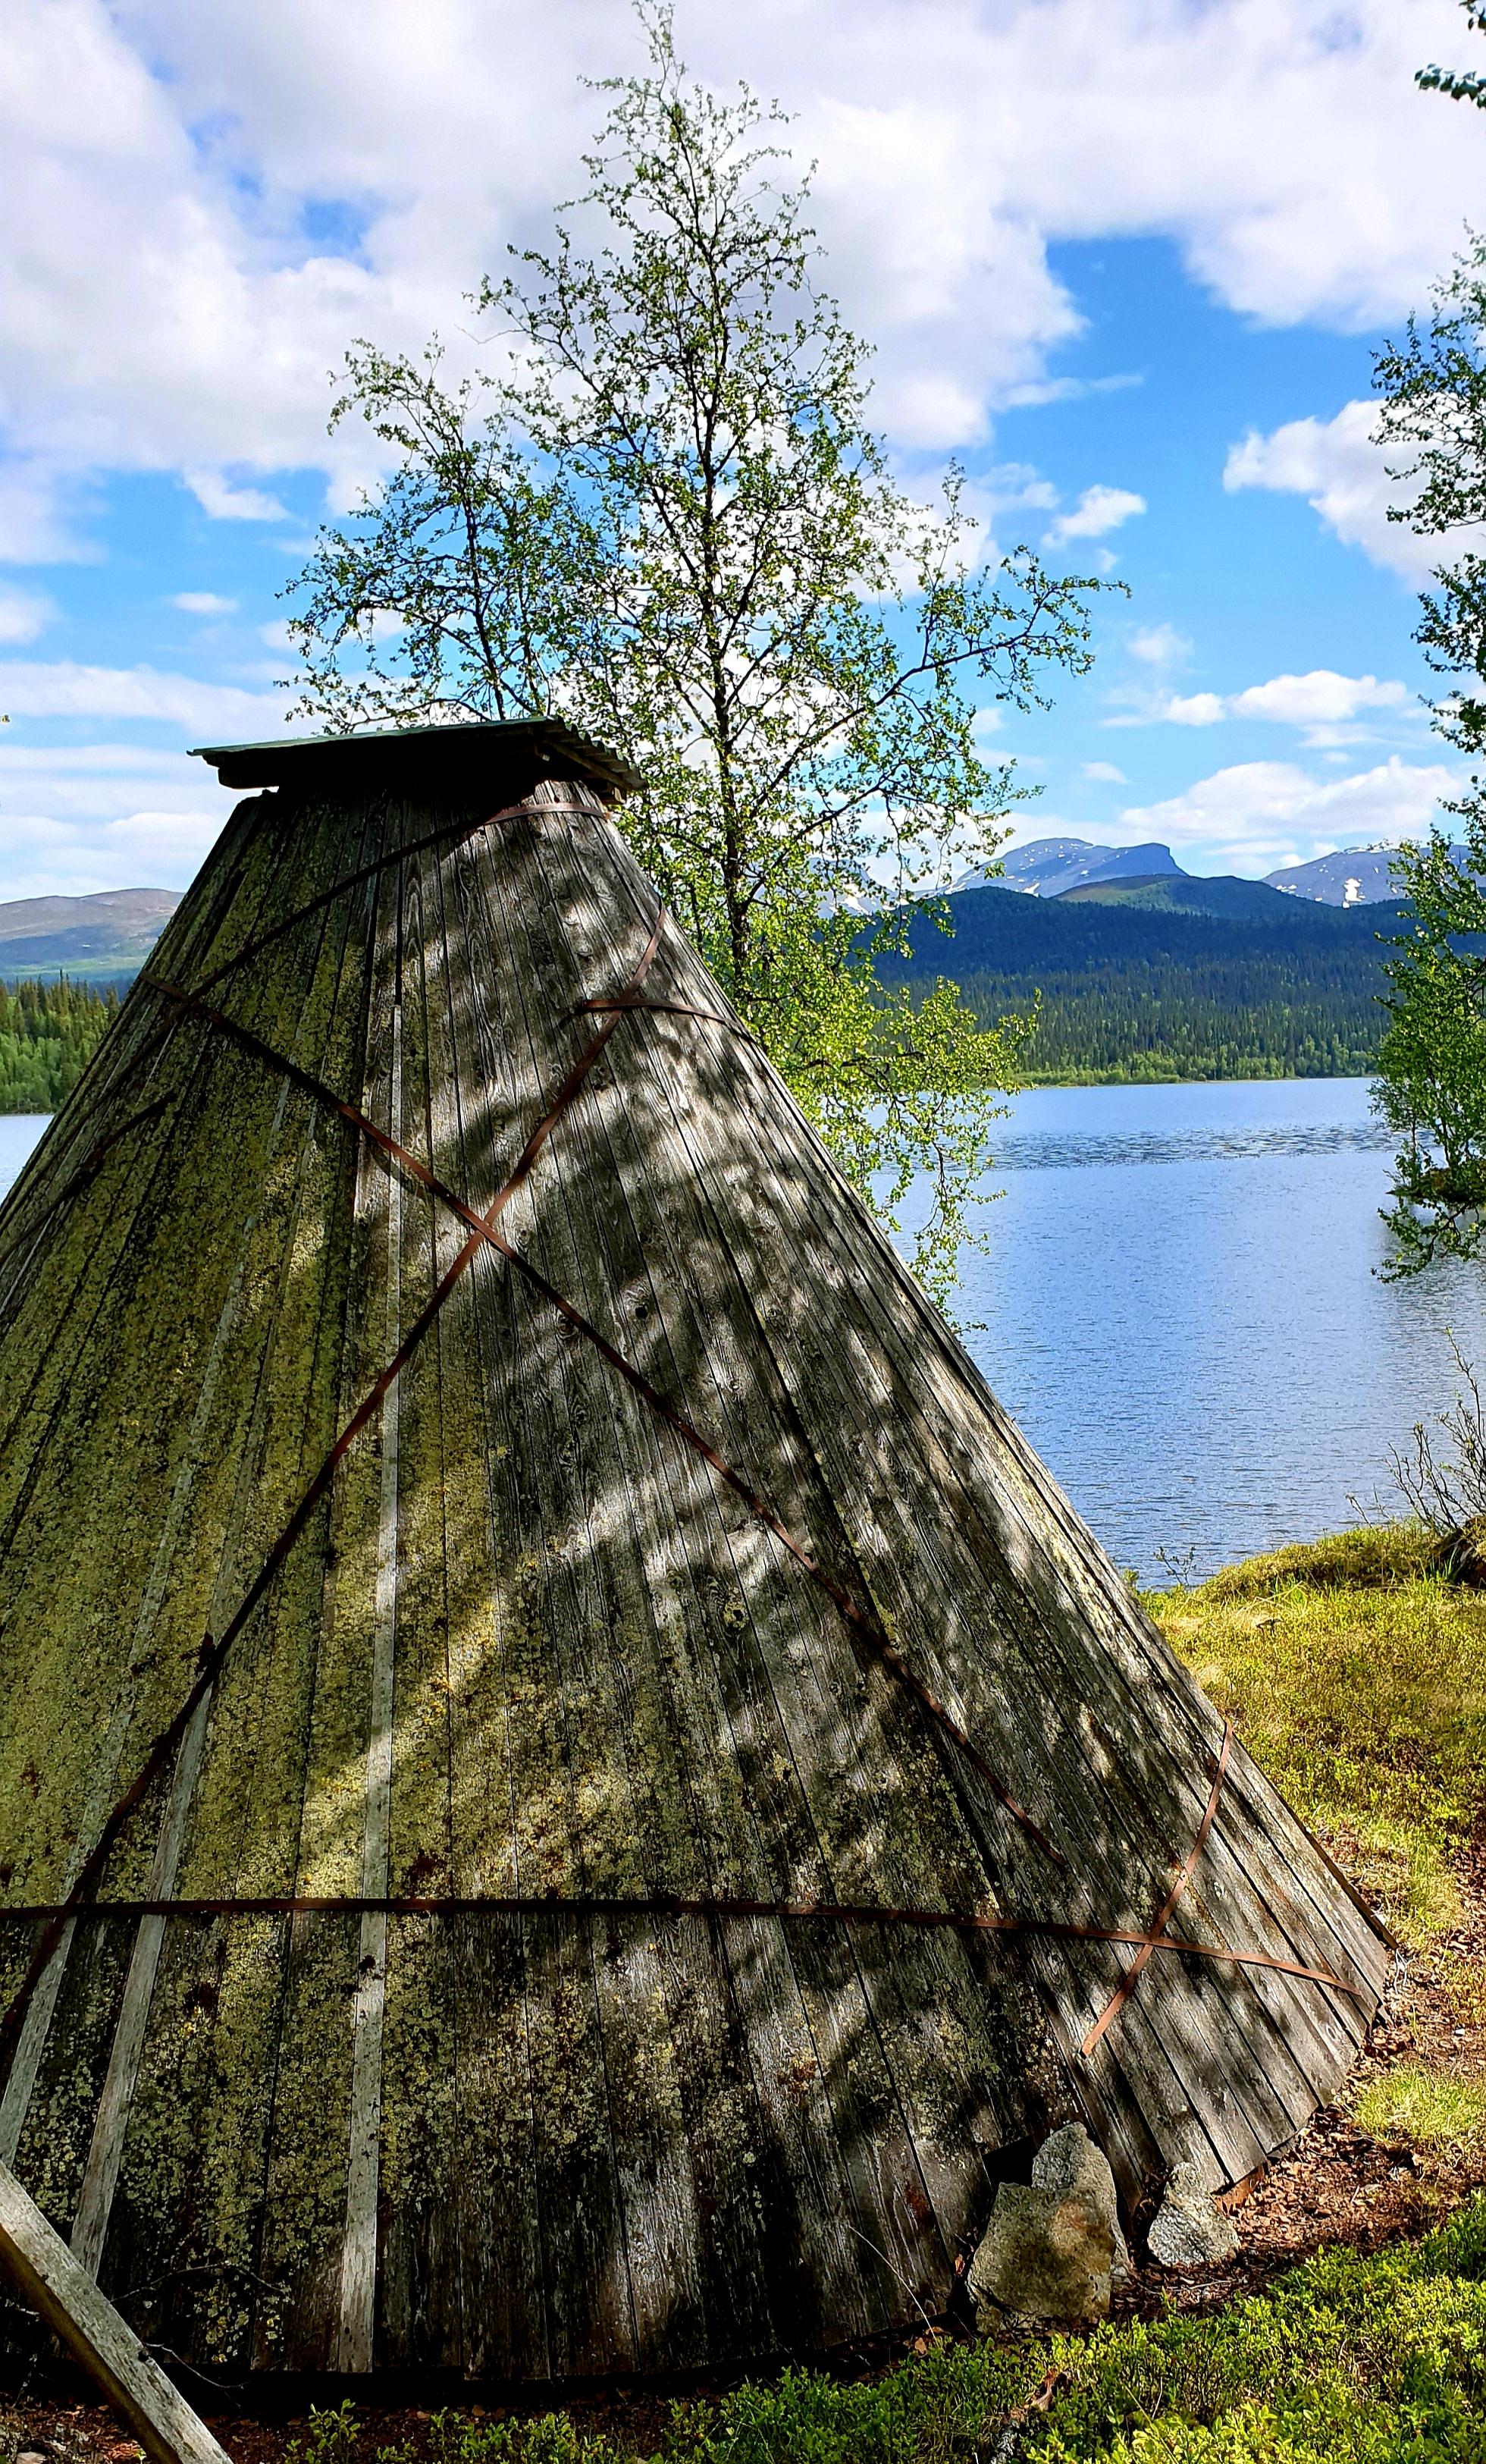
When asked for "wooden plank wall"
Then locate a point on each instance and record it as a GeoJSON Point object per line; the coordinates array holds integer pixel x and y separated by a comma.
{"type": "Point", "coordinates": [529, 1645]}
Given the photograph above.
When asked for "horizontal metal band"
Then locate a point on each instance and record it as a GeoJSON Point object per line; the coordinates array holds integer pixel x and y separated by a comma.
{"type": "Point", "coordinates": [665, 1904]}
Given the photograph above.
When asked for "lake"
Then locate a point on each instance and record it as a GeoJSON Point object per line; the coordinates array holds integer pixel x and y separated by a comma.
{"type": "Point", "coordinates": [1181, 1305]}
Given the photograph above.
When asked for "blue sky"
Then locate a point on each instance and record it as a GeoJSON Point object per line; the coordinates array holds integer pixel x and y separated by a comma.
{"type": "Point", "coordinates": [1127, 260]}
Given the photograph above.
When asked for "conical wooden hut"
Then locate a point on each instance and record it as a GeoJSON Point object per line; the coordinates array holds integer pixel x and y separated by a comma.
{"type": "Point", "coordinates": [571, 1795]}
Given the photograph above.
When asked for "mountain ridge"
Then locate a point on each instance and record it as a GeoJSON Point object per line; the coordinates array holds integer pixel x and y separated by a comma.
{"type": "Point", "coordinates": [99, 932]}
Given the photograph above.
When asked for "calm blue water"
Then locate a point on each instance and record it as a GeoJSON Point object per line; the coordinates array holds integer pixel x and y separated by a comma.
{"type": "Point", "coordinates": [1180, 1305]}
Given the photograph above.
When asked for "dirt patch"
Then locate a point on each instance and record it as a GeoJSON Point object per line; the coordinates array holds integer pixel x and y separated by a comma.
{"type": "Point", "coordinates": [1341, 2183]}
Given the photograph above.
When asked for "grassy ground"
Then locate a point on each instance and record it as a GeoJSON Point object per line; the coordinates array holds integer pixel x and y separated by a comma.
{"type": "Point", "coordinates": [1359, 1680]}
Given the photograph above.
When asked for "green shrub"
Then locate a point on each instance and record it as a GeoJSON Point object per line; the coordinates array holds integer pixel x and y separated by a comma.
{"type": "Point", "coordinates": [1348, 2360]}
{"type": "Point", "coordinates": [1373, 1557]}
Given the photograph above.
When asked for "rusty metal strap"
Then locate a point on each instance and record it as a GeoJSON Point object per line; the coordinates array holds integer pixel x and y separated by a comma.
{"type": "Point", "coordinates": [669, 1904]}
{"type": "Point", "coordinates": [482, 1228]}
{"type": "Point", "coordinates": [215, 1649]}
{"type": "Point", "coordinates": [1155, 1935]}
{"type": "Point", "coordinates": [682, 1009]}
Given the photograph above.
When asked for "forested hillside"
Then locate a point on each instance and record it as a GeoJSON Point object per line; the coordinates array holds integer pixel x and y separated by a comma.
{"type": "Point", "coordinates": [1131, 992]}
{"type": "Point", "coordinates": [1126, 992]}
{"type": "Point", "coordinates": [47, 1032]}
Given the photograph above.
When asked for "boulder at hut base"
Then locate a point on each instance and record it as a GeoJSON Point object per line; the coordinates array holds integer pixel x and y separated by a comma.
{"type": "Point", "coordinates": [1189, 2231]}
{"type": "Point", "coordinates": [1070, 2161]}
{"type": "Point", "coordinates": [1046, 2254]}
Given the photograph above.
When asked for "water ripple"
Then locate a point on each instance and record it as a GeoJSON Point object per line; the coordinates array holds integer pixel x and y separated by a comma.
{"type": "Point", "coordinates": [1060, 1150]}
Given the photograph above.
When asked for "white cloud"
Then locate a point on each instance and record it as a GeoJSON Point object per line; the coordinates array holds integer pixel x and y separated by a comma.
{"type": "Point", "coordinates": [215, 201]}
{"type": "Point", "coordinates": [225, 502]}
{"type": "Point", "coordinates": [1098, 510]}
{"type": "Point", "coordinates": [204, 602]}
{"type": "Point", "coordinates": [23, 615]}
{"type": "Point", "coordinates": [1322, 703]}
{"type": "Point", "coordinates": [1258, 815]}
{"type": "Point", "coordinates": [39, 508]}
{"type": "Point", "coordinates": [110, 816]}
{"type": "Point", "coordinates": [1338, 466]}
{"type": "Point", "coordinates": [1158, 645]}
{"type": "Point", "coordinates": [1320, 698]}
{"type": "Point", "coordinates": [64, 689]}
{"type": "Point", "coordinates": [1195, 710]}
{"type": "Point", "coordinates": [1104, 770]}
{"type": "Point", "coordinates": [276, 636]}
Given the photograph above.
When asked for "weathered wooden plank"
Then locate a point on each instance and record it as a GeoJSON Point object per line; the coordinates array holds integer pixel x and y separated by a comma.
{"type": "Point", "coordinates": [420, 2311]}
{"type": "Point", "coordinates": [222, 1995]}
{"type": "Point", "coordinates": [359, 2258]}
{"type": "Point", "coordinates": [61, 2291]}
{"type": "Point", "coordinates": [303, 2235]}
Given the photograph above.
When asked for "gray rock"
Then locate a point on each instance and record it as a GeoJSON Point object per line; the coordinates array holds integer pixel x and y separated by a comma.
{"type": "Point", "coordinates": [1046, 2254]}
{"type": "Point", "coordinates": [1189, 2231]}
{"type": "Point", "coordinates": [1070, 2161]}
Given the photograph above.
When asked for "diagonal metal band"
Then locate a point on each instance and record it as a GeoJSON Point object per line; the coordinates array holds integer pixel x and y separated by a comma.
{"type": "Point", "coordinates": [483, 1228]}
{"type": "Point", "coordinates": [1155, 1936]}
{"type": "Point", "coordinates": [215, 1649]}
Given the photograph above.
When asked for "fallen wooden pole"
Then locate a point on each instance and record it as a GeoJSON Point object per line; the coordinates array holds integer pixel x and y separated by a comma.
{"type": "Point", "coordinates": [64, 2294]}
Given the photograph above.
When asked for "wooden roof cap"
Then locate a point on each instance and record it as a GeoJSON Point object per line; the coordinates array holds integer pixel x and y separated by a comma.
{"type": "Point", "coordinates": [504, 754]}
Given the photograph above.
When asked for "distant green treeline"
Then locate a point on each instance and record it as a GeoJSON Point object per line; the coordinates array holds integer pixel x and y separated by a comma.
{"type": "Point", "coordinates": [47, 1034]}
{"type": "Point", "coordinates": [1129, 993]}
{"type": "Point", "coordinates": [1096, 1028]}
{"type": "Point", "coordinates": [1126, 995]}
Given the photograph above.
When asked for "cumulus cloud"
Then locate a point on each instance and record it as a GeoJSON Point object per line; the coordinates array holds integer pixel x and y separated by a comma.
{"type": "Point", "coordinates": [39, 513]}
{"type": "Point", "coordinates": [1258, 815]}
{"type": "Point", "coordinates": [106, 815]}
{"type": "Point", "coordinates": [216, 200]}
{"type": "Point", "coordinates": [204, 602]}
{"type": "Point", "coordinates": [1158, 645]}
{"type": "Point", "coordinates": [23, 614]}
{"type": "Point", "coordinates": [1337, 464]}
{"type": "Point", "coordinates": [1325, 705]}
{"type": "Point", "coordinates": [1104, 770]}
{"type": "Point", "coordinates": [224, 502]}
{"type": "Point", "coordinates": [1098, 510]}
{"type": "Point", "coordinates": [1321, 696]}
{"type": "Point", "coordinates": [66, 688]}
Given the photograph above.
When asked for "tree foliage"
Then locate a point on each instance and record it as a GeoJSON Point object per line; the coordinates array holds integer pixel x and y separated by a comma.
{"type": "Point", "coordinates": [47, 1035]}
{"type": "Point", "coordinates": [667, 518]}
{"type": "Point", "coordinates": [1432, 1061]}
{"type": "Point", "coordinates": [1467, 85]}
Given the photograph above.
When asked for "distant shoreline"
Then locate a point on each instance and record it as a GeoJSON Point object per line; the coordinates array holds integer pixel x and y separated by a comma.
{"type": "Point", "coordinates": [1251, 1077]}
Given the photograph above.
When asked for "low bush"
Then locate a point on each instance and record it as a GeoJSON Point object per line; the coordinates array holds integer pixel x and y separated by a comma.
{"type": "Point", "coordinates": [1348, 2360]}
{"type": "Point", "coordinates": [1376, 1557]}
